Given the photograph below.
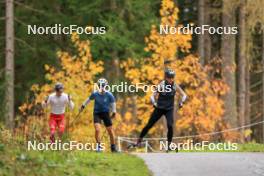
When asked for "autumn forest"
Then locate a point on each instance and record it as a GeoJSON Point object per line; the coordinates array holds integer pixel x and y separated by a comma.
{"type": "Point", "coordinates": [222, 74]}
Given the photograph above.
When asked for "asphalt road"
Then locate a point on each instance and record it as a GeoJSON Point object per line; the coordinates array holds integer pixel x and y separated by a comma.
{"type": "Point", "coordinates": [205, 164]}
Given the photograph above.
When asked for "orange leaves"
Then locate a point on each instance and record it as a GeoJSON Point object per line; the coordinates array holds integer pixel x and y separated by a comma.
{"type": "Point", "coordinates": [203, 110]}
{"type": "Point", "coordinates": [23, 108]}
{"type": "Point", "coordinates": [77, 73]}
{"type": "Point", "coordinates": [204, 106]}
{"type": "Point", "coordinates": [34, 87]}
{"type": "Point", "coordinates": [46, 67]}
{"type": "Point", "coordinates": [220, 87]}
{"type": "Point", "coordinates": [167, 4]}
{"type": "Point", "coordinates": [75, 38]}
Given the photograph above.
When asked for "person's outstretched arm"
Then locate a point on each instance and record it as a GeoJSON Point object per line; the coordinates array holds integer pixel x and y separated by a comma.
{"type": "Point", "coordinates": [156, 93]}
{"type": "Point", "coordinates": [46, 102]}
{"type": "Point", "coordinates": [70, 102]}
{"type": "Point", "coordinates": [87, 101]}
{"type": "Point", "coordinates": [183, 95]}
{"type": "Point", "coordinates": [153, 98]}
{"type": "Point", "coordinates": [113, 105]}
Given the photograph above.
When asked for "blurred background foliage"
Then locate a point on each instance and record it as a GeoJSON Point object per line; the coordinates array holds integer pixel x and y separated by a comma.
{"type": "Point", "coordinates": [132, 50]}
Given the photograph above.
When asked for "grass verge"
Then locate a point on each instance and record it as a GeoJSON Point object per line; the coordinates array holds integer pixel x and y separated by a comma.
{"type": "Point", "coordinates": [16, 160]}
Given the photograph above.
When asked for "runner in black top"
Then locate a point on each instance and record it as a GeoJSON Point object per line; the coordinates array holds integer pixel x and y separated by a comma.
{"type": "Point", "coordinates": [164, 105]}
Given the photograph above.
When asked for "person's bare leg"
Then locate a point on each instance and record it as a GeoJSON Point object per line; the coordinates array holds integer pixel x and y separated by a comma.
{"type": "Point", "coordinates": [111, 134]}
{"type": "Point", "coordinates": [97, 127]}
{"type": "Point", "coordinates": [112, 138]}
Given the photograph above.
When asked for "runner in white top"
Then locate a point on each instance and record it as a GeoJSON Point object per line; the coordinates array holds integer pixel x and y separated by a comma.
{"type": "Point", "coordinates": [58, 102]}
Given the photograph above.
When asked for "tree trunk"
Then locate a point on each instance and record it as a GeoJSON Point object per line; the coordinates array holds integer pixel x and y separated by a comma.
{"type": "Point", "coordinates": [207, 37]}
{"type": "Point", "coordinates": [116, 72]}
{"type": "Point", "coordinates": [242, 67]}
{"type": "Point", "coordinates": [9, 64]}
{"type": "Point", "coordinates": [247, 93]}
{"type": "Point", "coordinates": [201, 37]}
{"type": "Point", "coordinates": [263, 82]}
{"type": "Point", "coordinates": [228, 58]}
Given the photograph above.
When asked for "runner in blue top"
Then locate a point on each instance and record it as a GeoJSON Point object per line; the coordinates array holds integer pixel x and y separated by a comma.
{"type": "Point", "coordinates": [104, 101]}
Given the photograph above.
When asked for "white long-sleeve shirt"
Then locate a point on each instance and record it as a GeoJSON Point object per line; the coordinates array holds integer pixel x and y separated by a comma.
{"type": "Point", "coordinates": [58, 103]}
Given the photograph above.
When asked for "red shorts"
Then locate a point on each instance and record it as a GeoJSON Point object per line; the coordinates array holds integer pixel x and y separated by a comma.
{"type": "Point", "coordinates": [56, 121]}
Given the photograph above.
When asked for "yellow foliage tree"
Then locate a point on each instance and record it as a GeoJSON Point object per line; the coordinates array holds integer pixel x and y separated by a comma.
{"type": "Point", "coordinates": [201, 114]}
{"type": "Point", "coordinates": [204, 109]}
{"type": "Point", "coordinates": [77, 73]}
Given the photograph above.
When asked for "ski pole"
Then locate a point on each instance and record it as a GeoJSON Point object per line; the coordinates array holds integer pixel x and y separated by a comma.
{"type": "Point", "coordinates": [75, 119]}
